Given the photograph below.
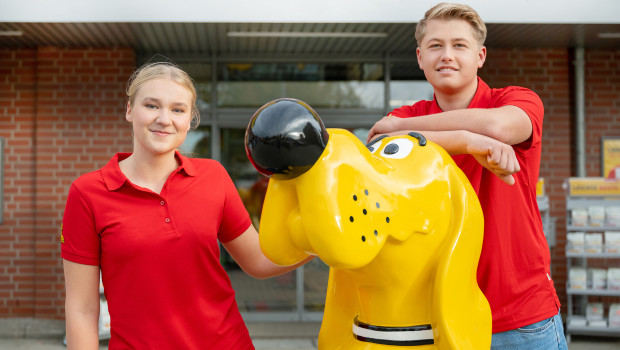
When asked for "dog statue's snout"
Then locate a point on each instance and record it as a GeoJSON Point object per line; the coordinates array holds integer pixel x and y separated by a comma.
{"type": "Point", "coordinates": [284, 138]}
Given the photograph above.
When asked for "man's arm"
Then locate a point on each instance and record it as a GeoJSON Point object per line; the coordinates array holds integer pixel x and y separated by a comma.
{"type": "Point", "coordinates": [497, 157]}
{"type": "Point", "coordinates": [507, 124]}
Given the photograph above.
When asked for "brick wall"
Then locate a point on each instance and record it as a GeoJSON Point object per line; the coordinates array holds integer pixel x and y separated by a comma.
{"type": "Point", "coordinates": [17, 127]}
{"type": "Point", "coordinates": [62, 110]}
{"type": "Point", "coordinates": [548, 72]}
{"type": "Point", "coordinates": [602, 103]}
{"type": "Point", "coordinates": [62, 116]}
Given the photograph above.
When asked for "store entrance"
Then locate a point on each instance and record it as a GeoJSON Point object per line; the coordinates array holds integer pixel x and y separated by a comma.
{"type": "Point", "coordinates": [294, 296]}
{"type": "Point", "coordinates": [346, 95]}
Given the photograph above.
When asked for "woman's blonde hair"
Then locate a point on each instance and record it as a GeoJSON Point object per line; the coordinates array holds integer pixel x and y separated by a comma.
{"type": "Point", "coordinates": [163, 70]}
{"type": "Point", "coordinates": [447, 11]}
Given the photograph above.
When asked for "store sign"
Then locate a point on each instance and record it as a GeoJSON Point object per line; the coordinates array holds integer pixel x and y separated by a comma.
{"type": "Point", "coordinates": [610, 154]}
{"type": "Point", "coordinates": [593, 186]}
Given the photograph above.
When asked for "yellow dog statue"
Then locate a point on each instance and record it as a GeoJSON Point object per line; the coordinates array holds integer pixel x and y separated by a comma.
{"type": "Point", "coordinates": [397, 222]}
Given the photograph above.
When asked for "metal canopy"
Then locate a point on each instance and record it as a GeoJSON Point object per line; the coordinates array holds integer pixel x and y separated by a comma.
{"type": "Point", "coordinates": [308, 39]}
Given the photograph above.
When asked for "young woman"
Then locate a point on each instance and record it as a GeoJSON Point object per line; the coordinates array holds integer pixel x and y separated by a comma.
{"type": "Point", "coordinates": [151, 221]}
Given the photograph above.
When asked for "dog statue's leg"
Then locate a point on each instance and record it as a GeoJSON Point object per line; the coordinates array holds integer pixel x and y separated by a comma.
{"type": "Point", "coordinates": [341, 307]}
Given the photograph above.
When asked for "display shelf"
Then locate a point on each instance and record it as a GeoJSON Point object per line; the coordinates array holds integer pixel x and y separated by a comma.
{"type": "Point", "coordinates": [595, 331]}
{"type": "Point", "coordinates": [547, 221]}
{"type": "Point", "coordinates": [595, 205]}
{"type": "Point", "coordinates": [593, 255]}
{"type": "Point", "coordinates": [590, 291]}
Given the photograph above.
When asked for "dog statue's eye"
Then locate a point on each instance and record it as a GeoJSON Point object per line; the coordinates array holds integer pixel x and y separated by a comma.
{"type": "Point", "coordinates": [375, 146]}
{"type": "Point", "coordinates": [397, 149]}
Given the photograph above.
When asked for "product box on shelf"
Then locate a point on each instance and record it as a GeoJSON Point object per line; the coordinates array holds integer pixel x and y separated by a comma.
{"type": "Point", "coordinates": [612, 241]}
{"type": "Point", "coordinates": [578, 278]}
{"type": "Point", "coordinates": [594, 242]}
{"type": "Point", "coordinates": [613, 278]}
{"type": "Point", "coordinates": [579, 217]}
{"type": "Point", "coordinates": [612, 216]}
{"type": "Point", "coordinates": [614, 315]}
{"type": "Point", "coordinates": [597, 278]}
{"type": "Point", "coordinates": [575, 242]}
{"type": "Point", "coordinates": [594, 314]}
{"type": "Point", "coordinates": [596, 215]}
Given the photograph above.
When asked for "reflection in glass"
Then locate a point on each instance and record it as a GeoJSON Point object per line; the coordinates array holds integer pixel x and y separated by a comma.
{"type": "Point", "coordinates": [197, 143]}
{"type": "Point", "coordinates": [274, 294]}
{"type": "Point", "coordinates": [323, 94]}
{"type": "Point", "coordinates": [406, 93]}
{"type": "Point", "coordinates": [322, 85]}
{"type": "Point", "coordinates": [316, 273]}
{"type": "Point", "coordinates": [408, 84]}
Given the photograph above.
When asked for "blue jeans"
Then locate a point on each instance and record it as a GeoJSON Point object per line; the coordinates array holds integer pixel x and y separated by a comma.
{"type": "Point", "coordinates": [544, 335]}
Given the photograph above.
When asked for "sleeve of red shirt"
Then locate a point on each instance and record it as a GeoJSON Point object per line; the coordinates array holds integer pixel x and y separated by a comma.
{"type": "Point", "coordinates": [405, 112]}
{"type": "Point", "coordinates": [531, 104]}
{"type": "Point", "coordinates": [235, 218]}
{"type": "Point", "coordinates": [80, 241]}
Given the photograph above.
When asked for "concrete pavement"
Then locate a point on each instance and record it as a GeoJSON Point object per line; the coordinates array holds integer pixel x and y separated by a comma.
{"type": "Point", "coordinates": [578, 343]}
{"type": "Point", "coordinates": [31, 334]}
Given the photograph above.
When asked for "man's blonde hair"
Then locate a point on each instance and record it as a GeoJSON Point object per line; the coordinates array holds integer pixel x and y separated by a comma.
{"type": "Point", "coordinates": [447, 11]}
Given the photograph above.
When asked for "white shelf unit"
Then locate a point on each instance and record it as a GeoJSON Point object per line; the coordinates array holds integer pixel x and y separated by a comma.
{"type": "Point", "coordinates": [547, 221]}
{"type": "Point", "coordinates": [578, 298]}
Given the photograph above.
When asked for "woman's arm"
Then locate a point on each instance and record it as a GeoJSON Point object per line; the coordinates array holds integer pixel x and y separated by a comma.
{"type": "Point", "coordinates": [246, 251]}
{"type": "Point", "coordinates": [82, 305]}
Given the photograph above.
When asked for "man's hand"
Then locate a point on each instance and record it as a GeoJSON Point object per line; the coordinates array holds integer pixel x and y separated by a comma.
{"type": "Point", "coordinates": [384, 126]}
{"type": "Point", "coordinates": [497, 157]}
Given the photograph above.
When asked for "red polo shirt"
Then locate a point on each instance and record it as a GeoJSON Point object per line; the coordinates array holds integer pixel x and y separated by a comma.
{"type": "Point", "coordinates": [159, 254]}
{"type": "Point", "coordinates": [513, 271]}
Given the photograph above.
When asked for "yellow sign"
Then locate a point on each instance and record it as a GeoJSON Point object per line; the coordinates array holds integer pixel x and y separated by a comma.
{"type": "Point", "coordinates": [593, 186]}
{"type": "Point", "coordinates": [610, 148]}
{"type": "Point", "coordinates": [540, 187]}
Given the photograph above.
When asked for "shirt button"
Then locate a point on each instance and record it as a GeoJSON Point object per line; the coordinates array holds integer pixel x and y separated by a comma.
{"type": "Point", "coordinates": [167, 220]}
{"type": "Point", "coordinates": [162, 202]}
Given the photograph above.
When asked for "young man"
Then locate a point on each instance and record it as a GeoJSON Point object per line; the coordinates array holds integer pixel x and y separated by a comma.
{"type": "Point", "coordinates": [494, 136]}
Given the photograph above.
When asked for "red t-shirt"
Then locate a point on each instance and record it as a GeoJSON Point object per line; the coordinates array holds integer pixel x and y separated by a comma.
{"type": "Point", "coordinates": [159, 254]}
{"type": "Point", "coordinates": [513, 271]}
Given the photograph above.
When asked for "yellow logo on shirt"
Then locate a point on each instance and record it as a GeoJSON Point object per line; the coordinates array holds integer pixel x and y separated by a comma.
{"type": "Point", "coordinates": [62, 238]}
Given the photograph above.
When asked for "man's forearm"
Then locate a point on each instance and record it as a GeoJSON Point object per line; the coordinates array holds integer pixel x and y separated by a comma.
{"type": "Point", "coordinates": [508, 124]}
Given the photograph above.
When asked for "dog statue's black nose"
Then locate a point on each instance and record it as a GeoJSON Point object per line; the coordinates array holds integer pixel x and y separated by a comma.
{"type": "Point", "coordinates": [285, 138]}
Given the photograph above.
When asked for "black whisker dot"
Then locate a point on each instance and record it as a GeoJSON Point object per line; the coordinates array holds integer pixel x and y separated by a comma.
{"type": "Point", "coordinates": [364, 211]}
{"type": "Point", "coordinates": [366, 192]}
{"type": "Point", "coordinates": [377, 205]}
{"type": "Point", "coordinates": [354, 197]}
{"type": "Point", "coordinates": [376, 233]}
{"type": "Point", "coordinates": [363, 239]}
{"type": "Point", "coordinates": [387, 219]}
{"type": "Point", "coordinates": [351, 218]}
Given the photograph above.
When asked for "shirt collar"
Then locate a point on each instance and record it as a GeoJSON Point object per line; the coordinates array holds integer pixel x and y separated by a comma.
{"type": "Point", "coordinates": [115, 179]}
{"type": "Point", "coordinates": [482, 98]}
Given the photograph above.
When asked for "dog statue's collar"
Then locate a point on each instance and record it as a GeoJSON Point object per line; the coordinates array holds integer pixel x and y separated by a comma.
{"type": "Point", "coordinates": [400, 336]}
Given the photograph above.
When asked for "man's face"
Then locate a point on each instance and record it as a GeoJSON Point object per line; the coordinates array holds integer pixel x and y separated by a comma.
{"type": "Point", "coordinates": [450, 56]}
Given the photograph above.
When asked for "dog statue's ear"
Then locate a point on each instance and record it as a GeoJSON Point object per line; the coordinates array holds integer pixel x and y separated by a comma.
{"type": "Point", "coordinates": [280, 234]}
{"type": "Point", "coordinates": [461, 313]}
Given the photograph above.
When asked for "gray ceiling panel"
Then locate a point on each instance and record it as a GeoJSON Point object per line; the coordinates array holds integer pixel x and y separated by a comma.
{"type": "Point", "coordinates": [212, 38]}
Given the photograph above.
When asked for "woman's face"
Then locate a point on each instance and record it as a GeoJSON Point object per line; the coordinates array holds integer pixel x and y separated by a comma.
{"type": "Point", "coordinates": [161, 115]}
